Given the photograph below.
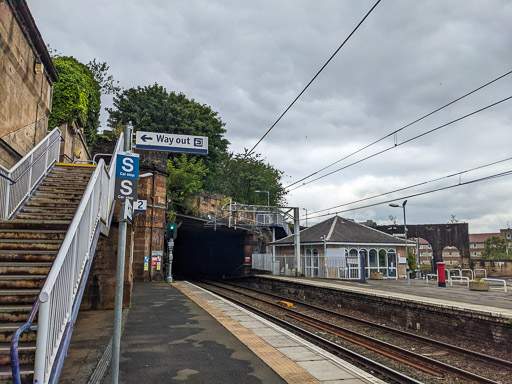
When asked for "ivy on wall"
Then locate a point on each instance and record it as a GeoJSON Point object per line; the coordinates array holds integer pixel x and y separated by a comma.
{"type": "Point", "coordinates": [76, 97]}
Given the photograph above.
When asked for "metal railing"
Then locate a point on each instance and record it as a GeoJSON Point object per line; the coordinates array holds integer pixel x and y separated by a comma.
{"type": "Point", "coordinates": [500, 281]}
{"type": "Point", "coordinates": [17, 183]}
{"type": "Point", "coordinates": [60, 292]}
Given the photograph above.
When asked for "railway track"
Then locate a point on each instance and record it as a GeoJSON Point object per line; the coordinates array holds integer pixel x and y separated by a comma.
{"type": "Point", "coordinates": [487, 359]}
{"type": "Point", "coordinates": [433, 368]}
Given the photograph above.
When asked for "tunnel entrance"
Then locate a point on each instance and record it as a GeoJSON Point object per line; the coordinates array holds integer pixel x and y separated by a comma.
{"type": "Point", "coordinates": [206, 251]}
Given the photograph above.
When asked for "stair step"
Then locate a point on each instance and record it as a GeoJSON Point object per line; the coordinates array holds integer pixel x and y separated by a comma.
{"type": "Point", "coordinates": [41, 225]}
{"type": "Point", "coordinates": [53, 200]}
{"type": "Point", "coordinates": [18, 296]}
{"type": "Point", "coordinates": [64, 194]}
{"type": "Point", "coordinates": [25, 268]}
{"type": "Point", "coordinates": [29, 256]}
{"type": "Point", "coordinates": [46, 209]}
{"type": "Point", "coordinates": [50, 205]}
{"type": "Point", "coordinates": [31, 234]}
{"type": "Point", "coordinates": [7, 330]}
{"type": "Point", "coordinates": [26, 374]}
{"type": "Point", "coordinates": [44, 216]}
{"type": "Point", "coordinates": [23, 244]}
{"type": "Point", "coordinates": [40, 221]}
{"type": "Point", "coordinates": [26, 353]}
{"type": "Point", "coordinates": [22, 281]}
{"type": "Point", "coordinates": [16, 313]}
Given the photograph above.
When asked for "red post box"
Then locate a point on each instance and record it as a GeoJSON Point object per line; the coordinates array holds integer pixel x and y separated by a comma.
{"type": "Point", "coordinates": [441, 277]}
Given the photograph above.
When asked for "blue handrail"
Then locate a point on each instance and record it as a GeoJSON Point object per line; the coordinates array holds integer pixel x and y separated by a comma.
{"type": "Point", "coordinates": [15, 363]}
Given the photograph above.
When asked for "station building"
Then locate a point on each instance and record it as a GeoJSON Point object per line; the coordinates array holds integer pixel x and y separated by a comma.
{"type": "Point", "coordinates": [334, 248]}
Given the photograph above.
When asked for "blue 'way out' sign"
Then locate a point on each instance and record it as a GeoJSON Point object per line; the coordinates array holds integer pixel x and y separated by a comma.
{"type": "Point", "coordinates": [127, 175]}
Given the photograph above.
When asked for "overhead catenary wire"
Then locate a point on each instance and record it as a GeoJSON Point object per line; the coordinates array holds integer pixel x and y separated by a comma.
{"type": "Point", "coordinates": [412, 186]}
{"type": "Point", "coordinates": [396, 145]}
{"type": "Point", "coordinates": [247, 154]}
{"type": "Point", "coordinates": [501, 174]}
{"type": "Point", "coordinates": [401, 129]}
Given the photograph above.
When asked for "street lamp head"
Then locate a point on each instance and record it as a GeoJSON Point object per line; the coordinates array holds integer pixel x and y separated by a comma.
{"type": "Point", "coordinates": [394, 205]}
{"type": "Point", "coordinates": [144, 175]}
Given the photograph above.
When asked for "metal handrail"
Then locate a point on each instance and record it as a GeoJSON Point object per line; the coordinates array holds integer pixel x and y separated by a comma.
{"type": "Point", "coordinates": [15, 362]}
{"type": "Point", "coordinates": [28, 171]}
{"type": "Point", "coordinates": [61, 289]}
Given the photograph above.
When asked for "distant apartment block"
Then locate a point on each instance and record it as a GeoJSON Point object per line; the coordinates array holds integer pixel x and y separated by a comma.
{"type": "Point", "coordinates": [476, 243]}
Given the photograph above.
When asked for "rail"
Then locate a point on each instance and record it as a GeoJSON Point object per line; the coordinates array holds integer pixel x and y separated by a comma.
{"type": "Point", "coordinates": [460, 278]}
{"type": "Point", "coordinates": [17, 183]}
{"type": "Point", "coordinates": [62, 288]}
{"type": "Point", "coordinates": [504, 282]}
{"type": "Point", "coordinates": [470, 272]}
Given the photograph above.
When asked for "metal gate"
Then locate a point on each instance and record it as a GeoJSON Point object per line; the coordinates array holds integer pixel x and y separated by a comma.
{"type": "Point", "coordinates": [352, 269]}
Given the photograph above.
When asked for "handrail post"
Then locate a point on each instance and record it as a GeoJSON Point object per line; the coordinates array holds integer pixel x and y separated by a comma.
{"type": "Point", "coordinates": [42, 339]}
{"type": "Point", "coordinates": [7, 198]}
{"type": "Point", "coordinates": [29, 184]}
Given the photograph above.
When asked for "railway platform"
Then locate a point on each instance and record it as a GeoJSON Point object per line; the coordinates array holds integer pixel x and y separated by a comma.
{"type": "Point", "coordinates": [494, 301]}
{"type": "Point", "coordinates": [176, 333]}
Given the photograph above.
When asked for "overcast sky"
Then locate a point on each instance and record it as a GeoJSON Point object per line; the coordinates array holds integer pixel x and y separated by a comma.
{"type": "Point", "coordinates": [248, 60]}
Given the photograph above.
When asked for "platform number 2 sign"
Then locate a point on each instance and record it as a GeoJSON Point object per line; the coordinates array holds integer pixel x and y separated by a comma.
{"type": "Point", "coordinates": [127, 175]}
{"type": "Point", "coordinates": [140, 206]}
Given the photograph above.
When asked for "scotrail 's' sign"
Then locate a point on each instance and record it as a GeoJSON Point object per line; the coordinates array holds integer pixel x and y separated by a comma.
{"type": "Point", "coordinates": [171, 143]}
{"type": "Point", "coordinates": [127, 174]}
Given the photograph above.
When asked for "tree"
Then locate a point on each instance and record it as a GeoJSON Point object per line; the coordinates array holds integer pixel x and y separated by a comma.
{"type": "Point", "coordinates": [186, 176]}
{"type": "Point", "coordinates": [153, 109]}
{"type": "Point", "coordinates": [453, 219]}
{"type": "Point", "coordinates": [244, 175]}
{"type": "Point", "coordinates": [495, 247]}
{"type": "Point", "coordinates": [105, 81]}
{"type": "Point", "coordinates": [425, 268]}
{"type": "Point", "coordinates": [411, 260]}
{"type": "Point", "coordinates": [392, 219]}
{"type": "Point", "coordinates": [76, 97]}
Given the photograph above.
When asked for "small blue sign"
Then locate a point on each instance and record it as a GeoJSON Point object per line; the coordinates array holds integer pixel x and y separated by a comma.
{"type": "Point", "coordinates": [127, 165]}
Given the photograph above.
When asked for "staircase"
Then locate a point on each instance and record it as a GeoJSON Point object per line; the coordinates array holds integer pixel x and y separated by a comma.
{"type": "Point", "coordinates": [28, 246]}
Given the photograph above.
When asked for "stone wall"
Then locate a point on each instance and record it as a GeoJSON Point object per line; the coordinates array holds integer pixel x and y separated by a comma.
{"type": "Point", "coordinates": [101, 285]}
{"type": "Point", "coordinates": [25, 96]}
{"type": "Point", "coordinates": [74, 145]}
{"type": "Point", "coordinates": [494, 268]}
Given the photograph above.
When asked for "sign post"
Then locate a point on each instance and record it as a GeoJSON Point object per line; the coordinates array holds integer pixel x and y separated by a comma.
{"type": "Point", "coordinates": [126, 184]}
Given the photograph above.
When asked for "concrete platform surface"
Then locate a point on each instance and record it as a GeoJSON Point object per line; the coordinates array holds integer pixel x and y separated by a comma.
{"type": "Point", "coordinates": [180, 333]}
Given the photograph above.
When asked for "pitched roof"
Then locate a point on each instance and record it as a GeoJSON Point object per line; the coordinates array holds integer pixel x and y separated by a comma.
{"type": "Point", "coordinates": [340, 230]}
{"type": "Point", "coordinates": [481, 237]}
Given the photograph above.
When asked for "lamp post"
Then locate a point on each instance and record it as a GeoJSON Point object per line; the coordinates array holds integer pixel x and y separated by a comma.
{"type": "Point", "coordinates": [306, 216]}
{"type": "Point", "coordinates": [268, 196]}
{"type": "Point", "coordinates": [405, 236]}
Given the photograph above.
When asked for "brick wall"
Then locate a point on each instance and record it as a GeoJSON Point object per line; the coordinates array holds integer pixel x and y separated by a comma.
{"type": "Point", "coordinates": [150, 226]}
{"type": "Point", "coordinates": [23, 93]}
{"type": "Point", "coordinates": [470, 326]}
